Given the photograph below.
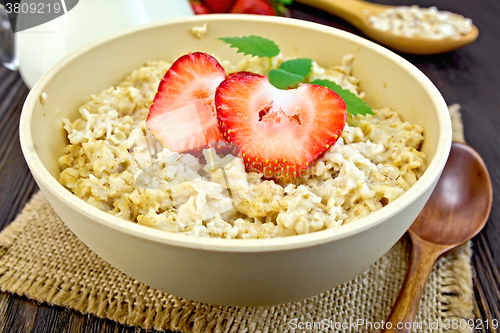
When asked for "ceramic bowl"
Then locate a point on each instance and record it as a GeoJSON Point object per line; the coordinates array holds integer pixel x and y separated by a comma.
{"type": "Point", "coordinates": [218, 271]}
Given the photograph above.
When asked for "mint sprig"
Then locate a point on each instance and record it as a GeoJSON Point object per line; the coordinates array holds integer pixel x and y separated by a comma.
{"type": "Point", "coordinates": [354, 104]}
{"type": "Point", "coordinates": [290, 73]}
{"type": "Point", "coordinates": [293, 72]}
{"type": "Point", "coordinates": [253, 45]}
{"type": "Point", "coordinates": [300, 66]}
{"type": "Point", "coordinates": [279, 6]}
{"type": "Point", "coordinates": [282, 79]}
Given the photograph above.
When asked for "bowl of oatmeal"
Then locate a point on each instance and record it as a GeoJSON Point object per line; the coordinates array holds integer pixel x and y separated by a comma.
{"type": "Point", "coordinates": [202, 226]}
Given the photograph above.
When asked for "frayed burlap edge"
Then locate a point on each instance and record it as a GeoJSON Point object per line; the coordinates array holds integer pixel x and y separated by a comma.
{"type": "Point", "coordinates": [456, 290]}
{"type": "Point", "coordinates": [449, 289]}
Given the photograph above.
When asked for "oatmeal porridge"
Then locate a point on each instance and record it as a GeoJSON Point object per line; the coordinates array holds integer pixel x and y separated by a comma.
{"type": "Point", "coordinates": [114, 163]}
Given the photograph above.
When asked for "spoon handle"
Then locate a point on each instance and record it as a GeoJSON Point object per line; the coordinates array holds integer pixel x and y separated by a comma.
{"type": "Point", "coordinates": [353, 11]}
{"type": "Point", "coordinates": [349, 10]}
{"type": "Point", "coordinates": [422, 259]}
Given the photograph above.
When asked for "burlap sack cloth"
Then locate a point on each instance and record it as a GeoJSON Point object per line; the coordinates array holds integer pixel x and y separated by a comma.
{"type": "Point", "coordinates": [41, 259]}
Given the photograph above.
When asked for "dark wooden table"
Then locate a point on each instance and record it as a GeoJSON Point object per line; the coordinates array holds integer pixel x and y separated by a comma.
{"type": "Point", "coordinates": [469, 76]}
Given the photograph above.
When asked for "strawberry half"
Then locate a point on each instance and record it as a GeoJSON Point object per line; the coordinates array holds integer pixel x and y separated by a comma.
{"type": "Point", "coordinates": [182, 116]}
{"type": "Point", "coordinates": [280, 132]}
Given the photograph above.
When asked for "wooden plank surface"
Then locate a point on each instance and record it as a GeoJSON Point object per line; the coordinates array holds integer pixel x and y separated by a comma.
{"type": "Point", "coordinates": [469, 76]}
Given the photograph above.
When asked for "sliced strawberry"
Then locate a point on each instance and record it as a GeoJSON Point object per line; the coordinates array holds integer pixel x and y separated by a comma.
{"type": "Point", "coordinates": [198, 7]}
{"type": "Point", "coordinates": [218, 6]}
{"type": "Point", "coordinates": [259, 7]}
{"type": "Point", "coordinates": [182, 115]}
{"type": "Point", "coordinates": [280, 132]}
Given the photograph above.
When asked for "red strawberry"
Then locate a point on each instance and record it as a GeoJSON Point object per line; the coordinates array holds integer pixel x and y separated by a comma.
{"type": "Point", "coordinates": [280, 132]}
{"type": "Point", "coordinates": [218, 6]}
{"type": "Point", "coordinates": [198, 7]}
{"type": "Point", "coordinates": [259, 7]}
{"type": "Point", "coordinates": [182, 115]}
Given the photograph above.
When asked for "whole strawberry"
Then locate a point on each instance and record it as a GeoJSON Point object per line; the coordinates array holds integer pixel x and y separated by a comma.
{"type": "Point", "coordinates": [218, 6]}
{"type": "Point", "coordinates": [259, 7]}
{"type": "Point", "coordinates": [280, 132]}
{"type": "Point", "coordinates": [198, 7]}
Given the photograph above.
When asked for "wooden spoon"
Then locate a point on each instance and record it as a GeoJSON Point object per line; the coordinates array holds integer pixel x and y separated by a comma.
{"type": "Point", "coordinates": [456, 211]}
{"type": "Point", "coordinates": [357, 13]}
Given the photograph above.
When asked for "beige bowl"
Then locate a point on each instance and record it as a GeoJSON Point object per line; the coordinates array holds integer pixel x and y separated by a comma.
{"type": "Point", "coordinates": [218, 271]}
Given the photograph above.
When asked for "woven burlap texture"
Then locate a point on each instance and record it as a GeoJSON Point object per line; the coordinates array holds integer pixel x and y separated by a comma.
{"type": "Point", "coordinates": [43, 260]}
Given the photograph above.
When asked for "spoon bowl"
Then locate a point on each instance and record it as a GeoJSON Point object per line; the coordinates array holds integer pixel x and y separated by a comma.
{"type": "Point", "coordinates": [456, 211]}
{"type": "Point", "coordinates": [460, 202]}
{"type": "Point", "coordinates": [357, 13]}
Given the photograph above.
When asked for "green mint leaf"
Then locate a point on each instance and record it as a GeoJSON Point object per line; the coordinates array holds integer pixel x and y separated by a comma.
{"type": "Point", "coordinates": [300, 66]}
{"type": "Point", "coordinates": [354, 104]}
{"type": "Point", "coordinates": [282, 79]}
{"type": "Point", "coordinates": [253, 45]}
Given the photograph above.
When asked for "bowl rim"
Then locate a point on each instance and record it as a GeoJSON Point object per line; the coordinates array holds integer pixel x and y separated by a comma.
{"type": "Point", "coordinates": [50, 184]}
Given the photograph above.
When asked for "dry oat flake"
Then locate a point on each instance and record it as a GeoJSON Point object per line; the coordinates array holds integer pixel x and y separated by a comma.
{"type": "Point", "coordinates": [428, 23]}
